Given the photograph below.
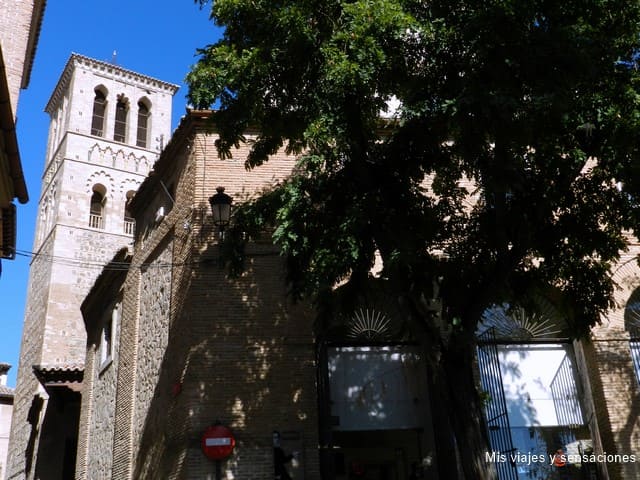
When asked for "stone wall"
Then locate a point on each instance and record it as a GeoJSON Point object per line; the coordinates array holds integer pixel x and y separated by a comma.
{"type": "Point", "coordinates": [155, 305]}
{"type": "Point", "coordinates": [99, 397]}
{"type": "Point", "coordinates": [30, 353]}
{"type": "Point", "coordinates": [612, 380]}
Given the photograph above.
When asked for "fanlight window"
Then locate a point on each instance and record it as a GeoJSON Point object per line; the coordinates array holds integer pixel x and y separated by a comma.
{"type": "Point", "coordinates": [369, 324]}
{"type": "Point", "coordinates": [514, 322]}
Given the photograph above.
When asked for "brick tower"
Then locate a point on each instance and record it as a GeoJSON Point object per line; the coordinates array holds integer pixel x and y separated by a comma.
{"type": "Point", "coordinates": [108, 125]}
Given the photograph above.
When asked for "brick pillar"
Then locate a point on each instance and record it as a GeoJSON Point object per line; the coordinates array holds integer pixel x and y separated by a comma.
{"type": "Point", "coordinates": [615, 397]}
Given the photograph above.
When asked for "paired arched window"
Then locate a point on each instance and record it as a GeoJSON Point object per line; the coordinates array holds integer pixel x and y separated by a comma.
{"type": "Point", "coordinates": [99, 110]}
{"type": "Point", "coordinates": [120, 127]}
{"type": "Point", "coordinates": [96, 209]}
{"type": "Point", "coordinates": [143, 124]}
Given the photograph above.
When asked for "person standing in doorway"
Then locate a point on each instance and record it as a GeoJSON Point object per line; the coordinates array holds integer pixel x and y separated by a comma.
{"type": "Point", "coordinates": [280, 459]}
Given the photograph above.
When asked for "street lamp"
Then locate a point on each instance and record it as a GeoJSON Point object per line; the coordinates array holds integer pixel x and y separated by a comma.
{"type": "Point", "coordinates": [221, 208]}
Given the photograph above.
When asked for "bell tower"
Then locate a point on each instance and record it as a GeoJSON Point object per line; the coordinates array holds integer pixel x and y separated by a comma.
{"type": "Point", "coordinates": [108, 125]}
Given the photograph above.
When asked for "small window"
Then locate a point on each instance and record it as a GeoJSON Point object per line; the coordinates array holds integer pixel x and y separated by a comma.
{"type": "Point", "coordinates": [107, 341]}
{"type": "Point", "coordinates": [99, 108]}
{"type": "Point", "coordinates": [143, 123]}
{"type": "Point", "coordinates": [96, 209]}
{"type": "Point", "coordinates": [129, 221]}
{"type": "Point", "coordinates": [107, 337]}
{"type": "Point", "coordinates": [120, 128]}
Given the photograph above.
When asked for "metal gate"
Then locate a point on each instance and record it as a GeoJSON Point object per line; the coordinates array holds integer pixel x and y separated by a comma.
{"type": "Point", "coordinates": [634, 345]}
{"type": "Point", "coordinates": [496, 405]}
{"type": "Point", "coordinates": [564, 391]}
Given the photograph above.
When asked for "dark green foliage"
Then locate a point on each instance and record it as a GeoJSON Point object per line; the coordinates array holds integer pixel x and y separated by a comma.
{"type": "Point", "coordinates": [514, 95]}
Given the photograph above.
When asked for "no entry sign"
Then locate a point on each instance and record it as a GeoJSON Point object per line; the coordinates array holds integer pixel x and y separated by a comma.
{"type": "Point", "coordinates": [218, 442]}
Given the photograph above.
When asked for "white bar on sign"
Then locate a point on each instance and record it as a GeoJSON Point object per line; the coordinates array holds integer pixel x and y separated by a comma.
{"type": "Point", "coordinates": [216, 442]}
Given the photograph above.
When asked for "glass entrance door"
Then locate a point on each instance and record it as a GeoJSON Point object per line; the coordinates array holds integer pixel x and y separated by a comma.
{"type": "Point", "coordinates": [379, 410]}
{"type": "Point", "coordinates": [540, 399]}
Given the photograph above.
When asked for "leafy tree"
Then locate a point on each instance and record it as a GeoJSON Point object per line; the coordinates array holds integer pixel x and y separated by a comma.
{"type": "Point", "coordinates": [475, 190]}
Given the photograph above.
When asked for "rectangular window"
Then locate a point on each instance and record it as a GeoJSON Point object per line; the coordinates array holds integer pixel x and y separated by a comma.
{"type": "Point", "coordinates": [120, 129]}
{"type": "Point", "coordinates": [99, 107]}
{"type": "Point", "coordinates": [376, 387]}
{"type": "Point", "coordinates": [107, 337]}
{"type": "Point", "coordinates": [143, 120]}
{"type": "Point", "coordinates": [97, 122]}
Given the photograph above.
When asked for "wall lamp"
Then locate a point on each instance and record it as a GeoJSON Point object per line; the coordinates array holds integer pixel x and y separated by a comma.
{"type": "Point", "coordinates": [221, 209]}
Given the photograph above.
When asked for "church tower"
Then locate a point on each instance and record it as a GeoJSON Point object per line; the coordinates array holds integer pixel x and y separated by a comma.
{"type": "Point", "coordinates": [108, 125]}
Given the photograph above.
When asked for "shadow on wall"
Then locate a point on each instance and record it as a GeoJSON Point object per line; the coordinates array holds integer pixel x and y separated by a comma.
{"type": "Point", "coordinates": [237, 352]}
{"type": "Point", "coordinates": [32, 417]}
{"type": "Point", "coordinates": [615, 366]}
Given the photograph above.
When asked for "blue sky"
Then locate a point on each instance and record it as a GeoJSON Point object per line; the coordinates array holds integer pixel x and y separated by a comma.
{"type": "Point", "coordinates": [158, 38]}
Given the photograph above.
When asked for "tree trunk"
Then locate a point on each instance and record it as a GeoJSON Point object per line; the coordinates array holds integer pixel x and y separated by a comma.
{"type": "Point", "coordinates": [459, 425]}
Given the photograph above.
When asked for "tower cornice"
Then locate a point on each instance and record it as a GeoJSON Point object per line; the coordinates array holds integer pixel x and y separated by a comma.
{"type": "Point", "coordinates": [104, 68]}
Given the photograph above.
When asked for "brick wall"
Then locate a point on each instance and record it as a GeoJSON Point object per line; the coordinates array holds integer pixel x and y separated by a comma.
{"type": "Point", "coordinates": [30, 353]}
{"type": "Point", "coordinates": [15, 27]}
{"type": "Point", "coordinates": [615, 392]}
{"type": "Point", "coordinates": [198, 347]}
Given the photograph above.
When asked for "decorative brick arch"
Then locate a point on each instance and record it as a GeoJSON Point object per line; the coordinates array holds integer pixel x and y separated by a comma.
{"type": "Point", "coordinates": [143, 165]}
{"type": "Point", "coordinates": [94, 150]}
{"type": "Point", "coordinates": [101, 156]}
{"type": "Point", "coordinates": [131, 162]}
{"type": "Point", "coordinates": [632, 313]}
{"type": "Point", "coordinates": [127, 185]}
{"type": "Point", "coordinates": [119, 160]}
{"type": "Point", "coordinates": [626, 277]}
{"type": "Point", "coordinates": [103, 178]}
{"type": "Point", "coordinates": [103, 89]}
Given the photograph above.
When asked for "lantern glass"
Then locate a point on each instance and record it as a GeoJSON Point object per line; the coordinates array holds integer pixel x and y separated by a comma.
{"type": "Point", "coordinates": [221, 214]}
{"type": "Point", "coordinates": [221, 207]}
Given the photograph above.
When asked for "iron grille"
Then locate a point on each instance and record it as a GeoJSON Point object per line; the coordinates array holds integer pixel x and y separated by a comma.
{"type": "Point", "coordinates": [496, 405]}
{"type": "Point", "coordinates": [634, 345]}
{"type": "Point", "coordinates": [564, 392]}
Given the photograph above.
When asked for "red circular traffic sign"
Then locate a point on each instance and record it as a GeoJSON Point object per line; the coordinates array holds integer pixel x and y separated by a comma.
{"type": "Point", "coordinates": [218, 442]}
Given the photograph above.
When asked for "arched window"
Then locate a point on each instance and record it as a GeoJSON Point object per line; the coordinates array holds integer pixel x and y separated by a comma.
{"type": "Point", "coordinates": [120, 128]}
{"type": "Point", "coordinates": [143, 124]}
{"type": "Point", "coordinates": [96, 209]}
{"type": "Point", "coordinates": [129, 221]}
{"type": "Point", "coordinates": [99, 109]}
